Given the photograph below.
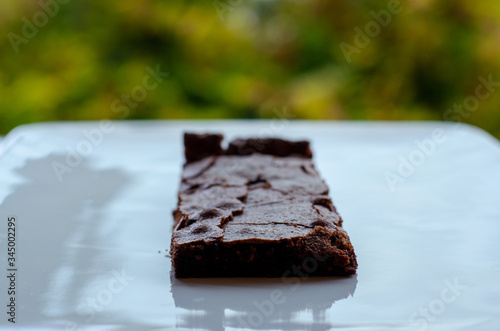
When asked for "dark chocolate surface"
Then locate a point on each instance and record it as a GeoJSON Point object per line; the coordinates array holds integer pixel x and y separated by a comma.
{"type": "Point", "coordinates": [255, 214]}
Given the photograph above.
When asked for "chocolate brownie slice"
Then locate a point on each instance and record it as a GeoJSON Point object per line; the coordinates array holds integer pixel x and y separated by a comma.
{"type": "Point", "coordinates": [257, 209]}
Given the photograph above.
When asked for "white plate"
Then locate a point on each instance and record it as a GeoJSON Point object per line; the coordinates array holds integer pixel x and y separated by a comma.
{"type": "Point", "coordinates": [91, 247]}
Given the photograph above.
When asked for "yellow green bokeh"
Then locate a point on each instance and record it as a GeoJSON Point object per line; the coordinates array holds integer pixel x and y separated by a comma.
{"type": "Point", "coordinates": [245, 59]}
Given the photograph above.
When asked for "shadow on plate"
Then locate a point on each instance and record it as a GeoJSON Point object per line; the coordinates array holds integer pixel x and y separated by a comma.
{"type": "Point", "coordinates": [59, 234]}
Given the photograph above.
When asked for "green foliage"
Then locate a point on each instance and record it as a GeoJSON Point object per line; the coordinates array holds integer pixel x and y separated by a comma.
{"type": "Point", "coordinates": [245, 59]}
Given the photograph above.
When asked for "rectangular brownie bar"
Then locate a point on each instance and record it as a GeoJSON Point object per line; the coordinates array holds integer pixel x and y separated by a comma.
{"type": "Point", "coordinates": [256, 209]}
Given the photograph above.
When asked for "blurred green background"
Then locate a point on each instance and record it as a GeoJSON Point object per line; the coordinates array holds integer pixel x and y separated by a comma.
{"type": "Point", "coordinates": [364, 59]}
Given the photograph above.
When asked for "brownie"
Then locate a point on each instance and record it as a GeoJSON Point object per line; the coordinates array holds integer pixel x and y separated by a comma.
{"type": "Point", "coordinates": [257, 209]}
{"type": "Point", "coordinates": [277, 147]}
{"type": "Point", "coordinates": [201, 146]}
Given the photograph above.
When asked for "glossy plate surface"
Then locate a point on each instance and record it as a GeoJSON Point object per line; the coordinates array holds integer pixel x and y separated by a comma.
{"type": "Point", "coordinates": [92, 203]}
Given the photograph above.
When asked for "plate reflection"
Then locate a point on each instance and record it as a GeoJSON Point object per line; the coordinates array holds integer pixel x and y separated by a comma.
{"type": "Point", "coordinates": [258, 303]}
